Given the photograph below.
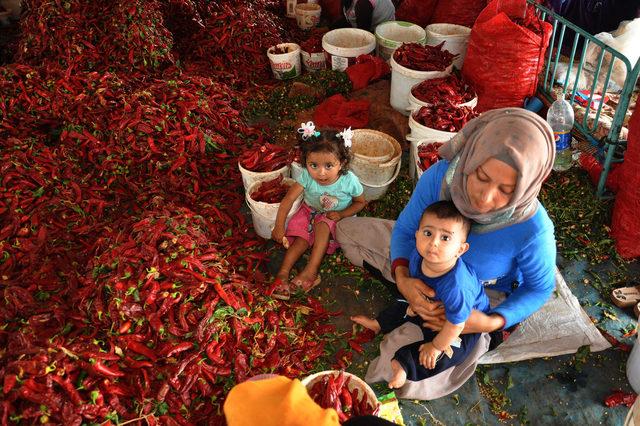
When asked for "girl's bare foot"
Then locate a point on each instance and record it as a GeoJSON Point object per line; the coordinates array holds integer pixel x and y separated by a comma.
{"type": "Point", "coordinates": [306, 279]}
{"type": "Point", "coordinates": [399, 377]}
{"type": "Point", "coordinates": [366, 322]}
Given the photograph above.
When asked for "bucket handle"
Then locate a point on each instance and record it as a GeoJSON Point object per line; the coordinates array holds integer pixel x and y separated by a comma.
{"type": "Point", "coordinates": [391, 162]}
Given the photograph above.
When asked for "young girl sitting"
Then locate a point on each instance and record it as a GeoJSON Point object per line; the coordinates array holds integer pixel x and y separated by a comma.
{"type": "Point", "coordinates": [331, 192]}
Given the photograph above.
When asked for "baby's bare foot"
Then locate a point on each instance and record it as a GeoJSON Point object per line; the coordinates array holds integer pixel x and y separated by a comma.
{"type": "Point", "coordinates": [366, 322]}
{"type": "Point", "coordinates": [399, 377]}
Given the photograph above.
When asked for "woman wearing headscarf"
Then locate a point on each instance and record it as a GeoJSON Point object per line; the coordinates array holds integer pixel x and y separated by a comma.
{"type": "Point", "coordinates": [493, 171]}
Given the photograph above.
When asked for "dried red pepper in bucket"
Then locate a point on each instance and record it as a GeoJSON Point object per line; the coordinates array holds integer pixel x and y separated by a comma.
{"type": "Point", "coordinates": [451, 89]}
{"type": "Point", "coordinates": [334, 391]}
{"type": "Point", "coordinates": [271, 191]}
{"type": "Point", "coordinates": [444, 117]}
{"type": "Point", "coordinates": [423, 58]}
{"type": "Point", "coordinates": [428, 154]}
{"type": "Point", "coordinates": [265, 158]}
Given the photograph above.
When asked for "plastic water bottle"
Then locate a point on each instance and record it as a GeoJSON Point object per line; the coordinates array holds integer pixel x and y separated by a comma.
{"type": "Point", "coordinates": [560, 118]}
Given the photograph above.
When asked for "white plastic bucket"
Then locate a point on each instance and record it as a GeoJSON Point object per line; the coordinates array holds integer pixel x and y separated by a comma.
{"type": "Point", "coordinates": [390, 35]}
{"type": "Point", "coordinates": [285, 65]}
{"type": "Point", "coordinates": [249, 177]}
{"type": "Point", "coordinates": [308, 15]}
{"type": "Point", "coordinates": [415, 103]}
{"type": "Point", "coordinates": [343, 45]}
{"type": "Point", "coordinates": [313, 61]}
{"type": "Point", "coordinates": [374, 156]}
{"type": "Point", "coordinates": [264, 214]}
{"type": "Point", "coordinates": [403, 79]}
{"type": "Point", "coordinates": [421, 134]}
{"type": "Point", "coordinates": [455, 39]}
{"type": "Point", "coordinates": [373, 192]}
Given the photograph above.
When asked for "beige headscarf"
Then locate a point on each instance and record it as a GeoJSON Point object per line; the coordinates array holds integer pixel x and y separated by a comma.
{"type": "Point", "coordinates": [515, 136]}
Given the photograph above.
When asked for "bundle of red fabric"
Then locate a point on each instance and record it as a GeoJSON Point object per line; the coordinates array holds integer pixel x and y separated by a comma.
{"type": "Point", "coordinates": [367, 68]}
{"type": "Point", "coordinates": [338, 112]}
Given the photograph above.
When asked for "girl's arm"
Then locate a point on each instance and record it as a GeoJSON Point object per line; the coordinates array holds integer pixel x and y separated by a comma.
{"type": "Point", "coordinates": [285, 207]}
{"type": "Point", "coordinates": [357, 204]}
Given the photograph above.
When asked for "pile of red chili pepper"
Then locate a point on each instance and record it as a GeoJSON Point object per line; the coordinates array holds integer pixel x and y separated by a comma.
{"type": "Point", "coordinates": [332, 391]}
{"type": "Point", "coordinates": [266, 157]}
{"type": "Point", "coordinates": [428, 154]}
{"type": "Point", "coordinates": [270, 191]}
{"type": "Point", "coordinates": [313, 44]}
{"type": "Point", "coordinates": [451, 89]}
{"type": "Point", "coordinates": [423, 58]}
{"type": "Point", "coordinates": [132, 291]}
{"type": "Point", "coordinates": [444, 117]}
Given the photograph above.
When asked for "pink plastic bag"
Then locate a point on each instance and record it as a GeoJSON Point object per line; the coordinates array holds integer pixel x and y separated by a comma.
{"type": "Point", "coordinates": [505, 54]}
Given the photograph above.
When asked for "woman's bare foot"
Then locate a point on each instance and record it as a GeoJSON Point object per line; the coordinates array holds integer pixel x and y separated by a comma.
{"type": "Point", "coordinates": [399, 375]}
{"type": "Point", "coordinates": [366, 322]}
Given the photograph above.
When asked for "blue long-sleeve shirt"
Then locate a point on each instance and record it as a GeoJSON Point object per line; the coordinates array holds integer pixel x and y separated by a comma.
{"type": "Point", "coordinates": [524, 252]}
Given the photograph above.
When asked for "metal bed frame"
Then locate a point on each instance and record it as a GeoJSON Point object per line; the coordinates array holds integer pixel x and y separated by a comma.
{"type": "Point", "coordinates": [610, 149]}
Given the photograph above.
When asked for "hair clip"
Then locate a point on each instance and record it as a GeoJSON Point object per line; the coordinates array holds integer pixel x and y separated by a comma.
{"type": "Point", "coordinates": [346, 135]}
{"type": "Point", "coordinates": [307, 130]}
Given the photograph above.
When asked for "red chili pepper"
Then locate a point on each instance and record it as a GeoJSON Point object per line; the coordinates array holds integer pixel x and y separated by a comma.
{"type": "Point", "coordinates": [99, 368]}
{"type": "Point", "coordinates": [620, 398]}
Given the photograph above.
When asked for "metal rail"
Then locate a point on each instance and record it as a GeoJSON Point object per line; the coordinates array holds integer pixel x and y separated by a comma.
{"type": "Point", "coordinates": [599, 80]}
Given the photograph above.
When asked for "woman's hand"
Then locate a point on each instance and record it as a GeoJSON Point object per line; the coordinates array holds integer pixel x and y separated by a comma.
{"type": "Point", "coordinates": [417, 293]}
{"type": "Point", "coordinates": [333, 215]}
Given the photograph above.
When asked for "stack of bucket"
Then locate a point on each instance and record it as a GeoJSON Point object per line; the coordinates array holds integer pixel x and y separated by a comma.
{"type": "Point", "coordinates": [264, 214]}
{"type": "Point", "coordinates": [376, 161]}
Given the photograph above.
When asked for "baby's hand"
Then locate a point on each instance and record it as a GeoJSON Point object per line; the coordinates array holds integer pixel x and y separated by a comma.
{"type": "Point", "coordinates": [428, 355]}
{"type": "Point", "coordinates": [335, 216]}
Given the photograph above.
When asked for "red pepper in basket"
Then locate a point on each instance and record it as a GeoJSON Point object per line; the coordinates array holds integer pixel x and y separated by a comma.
{"type": "Point", "coordinates": [333, 392]}
{"type": "Point", "coordinates": [444, 117]}
{"type": "Point", "coordinates": [428, 154]}
{"type": "Point", "coordinates": [423, 58]}
{"type": "Point", "coordinates": [451, 89]}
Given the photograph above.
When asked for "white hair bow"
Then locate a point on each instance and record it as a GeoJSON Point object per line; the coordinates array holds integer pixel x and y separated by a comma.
{"type": "Point", "coordinates": [346, 135]}
{"type": "Point", "coordinates": [307, 130]}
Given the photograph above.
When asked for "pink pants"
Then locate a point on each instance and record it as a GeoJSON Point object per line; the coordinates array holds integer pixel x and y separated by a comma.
{"type": "Point", "coordinates": [302, 225]}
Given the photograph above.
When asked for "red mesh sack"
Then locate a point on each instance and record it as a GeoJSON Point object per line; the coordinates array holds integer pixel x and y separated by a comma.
{"type": "Point", "coordinates": [625, 223]}
{"type": "Point", "coordinates": [505, 54]}
{"type": "Point", "coordinates": [416, 11]}
{"type": "Point", "coordinates": [461, 12]}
